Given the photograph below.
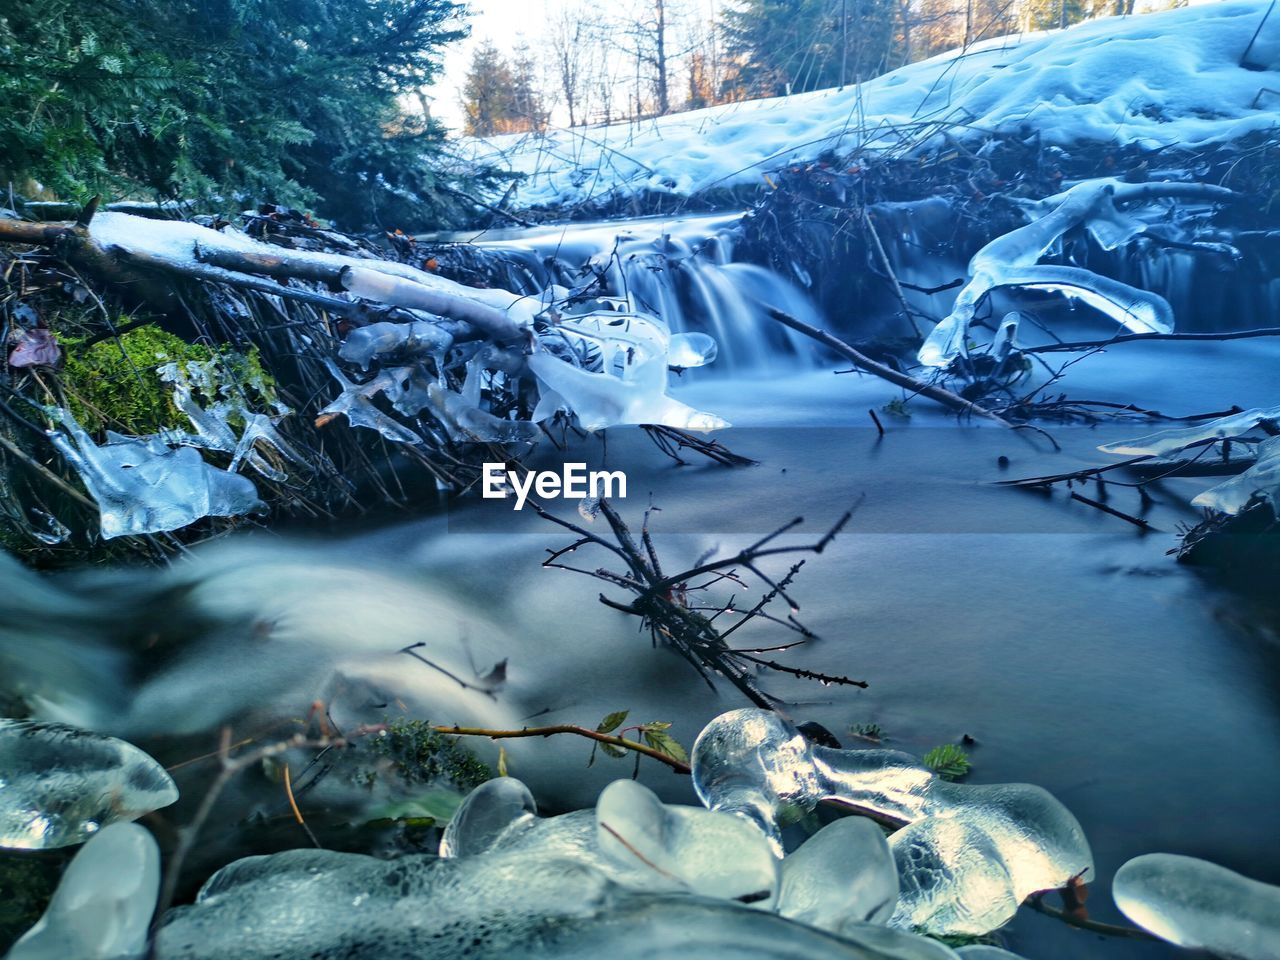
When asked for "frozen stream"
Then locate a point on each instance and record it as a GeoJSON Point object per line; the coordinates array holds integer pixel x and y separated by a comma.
{"type": "Point", "coordinates": [1077, 653]}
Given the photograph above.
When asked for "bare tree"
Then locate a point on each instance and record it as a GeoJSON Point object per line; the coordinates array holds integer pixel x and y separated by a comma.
{"type": "Point", "coordinates": [569, 38]}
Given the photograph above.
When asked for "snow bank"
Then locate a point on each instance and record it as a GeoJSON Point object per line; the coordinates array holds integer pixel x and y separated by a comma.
{"type": "Point", "coordinates": [1162, 78]}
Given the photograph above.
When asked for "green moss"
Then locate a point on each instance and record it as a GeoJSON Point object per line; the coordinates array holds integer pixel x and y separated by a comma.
{"type": "Point", "coordinates": [114, 384]}
{"type": "Point", "coordinates": [422, 755]}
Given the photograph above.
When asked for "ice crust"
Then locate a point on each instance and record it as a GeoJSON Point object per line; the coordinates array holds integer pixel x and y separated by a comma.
{"type": "Point", "coordinates": [1198, 904]}
{"type": "Point", "coordinates": [60, 785]}
{"type": "Point", "coordinates": [103, 905]}
{"type": "Point", "coordinates": [320, 905]}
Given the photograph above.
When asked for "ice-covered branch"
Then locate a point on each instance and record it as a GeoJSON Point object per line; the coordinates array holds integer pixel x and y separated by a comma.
{"type": "Point", "coordinates": [1012, 260]}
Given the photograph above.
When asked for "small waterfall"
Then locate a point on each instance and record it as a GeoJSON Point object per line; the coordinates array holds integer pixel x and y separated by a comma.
{"type": "Point", "coordinates": [680, 270]}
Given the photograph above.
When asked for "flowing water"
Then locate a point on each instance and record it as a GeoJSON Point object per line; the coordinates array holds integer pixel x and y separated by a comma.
{"type": "Point", "coordinates": [1065, 642]}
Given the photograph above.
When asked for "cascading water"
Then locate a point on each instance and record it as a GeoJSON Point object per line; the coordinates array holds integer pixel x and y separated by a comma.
{"type": "Point", "coordinates": [680, 270]}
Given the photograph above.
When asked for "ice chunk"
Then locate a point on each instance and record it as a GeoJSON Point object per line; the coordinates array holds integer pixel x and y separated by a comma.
{"type": "Point", "coordinates": [984, 951]}
{"type": "Point", "coordinates": [953, 878]}
{"type": "Point", "coordinates": [486, 813]}
{"type": "Point", "coordinates": [709, 853]}
{"type": "Point", "coordinates": [755, 763]}
{"type": "Point", "coordinates": [843, 874]}
{"type": "Point", "coordinates": [602, 400]}
{"type": "Point", "coordinates": [355, 402]}
{"type": "Point", "coordinates": [1165, 442]}
{"type": "Point", "coordinates": [631, 836]}
{"type": "Point", "coordinates": [103, 905]}
{"type": "Point", "coordinates": [504, 905]}
{"type": "Point", "coordinates": [59, 785]}
{"type": "Point", "coordinates": [886, 943]}
{"type": "Point", "coordinates": [142, 485]}
{"type": "Point", "coordinates": [691, 350]}
{"type": "Point", "coordinates": [1198, 904]}
{"type": "Point", "coordinates": [1262, 480]}
{"type": "Point", "coordinates": [363, 345]}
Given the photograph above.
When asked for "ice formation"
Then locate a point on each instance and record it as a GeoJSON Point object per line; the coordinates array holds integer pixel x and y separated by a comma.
{"type": "Point", "coordinates": [601, 400]}
{"type": "Point", "coordinates": [485, 813]}
{"type": "Point", "coordinates": [320, 905]}
{"type": "Point", "coordinates": [953, 877]}
{"type": "Point", "coordinates": [143, 485]}
{"type": "Point", "coordinates": [844, 874]}
{"type": "Point", "coordinates": [1260, 480]}
{"type": "Point", "coordinates": [1012, 260]}
{"type": "Point", "coordinates": [1000, 841]}
{"type": "Point", "coordinates": [213, 423]}
{"type": "Point", "coordinates": [631, 836]}
{"type": "Point", "coordinates": [363, 345]}
{"type": "Point", "coordinates": [1201, 905]}
{"type": "Point", "coordinates": [984, 951]}
{"type": "Point", "coordinates": [103, 905]}
{"type": "Point", "coordinates": [60, 785]}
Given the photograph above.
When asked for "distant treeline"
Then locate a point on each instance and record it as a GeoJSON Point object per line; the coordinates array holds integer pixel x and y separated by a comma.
{"type": "Point", "coordinates": [596, 63]}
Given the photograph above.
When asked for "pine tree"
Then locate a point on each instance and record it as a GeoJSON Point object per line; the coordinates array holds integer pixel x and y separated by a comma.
{"type": "Point", "coordinates": [295, 101]}
{"type": "Point", "coordinates": [792, 46]}
{"type": "Point", "coordinates": [487, 92]}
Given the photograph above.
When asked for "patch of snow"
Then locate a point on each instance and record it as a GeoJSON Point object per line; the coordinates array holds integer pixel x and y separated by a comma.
{"type": "Point", "coordinates": [1156, 79]}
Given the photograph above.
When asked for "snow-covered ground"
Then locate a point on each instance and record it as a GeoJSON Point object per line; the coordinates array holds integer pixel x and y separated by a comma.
{"type": "Point", "coordinates": [1161, 78]}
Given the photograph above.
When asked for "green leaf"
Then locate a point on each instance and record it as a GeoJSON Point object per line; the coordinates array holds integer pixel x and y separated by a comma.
{"type": "Point", "coordinates": [613, 751]}
{"type": "Point", "coordinates": [656, 726]}
{"type": "Point", "coordinates": [612, 722]}
{"type": "Point", "coordinates": [948, 761]}
{"type": "Point", "coordinates": [665, 744]}
{"type": "Point", "coordinates": [437, 806]}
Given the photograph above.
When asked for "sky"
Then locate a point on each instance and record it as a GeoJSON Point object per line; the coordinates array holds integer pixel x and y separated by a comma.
{"type": "Point", "coordinates": [503, 22]}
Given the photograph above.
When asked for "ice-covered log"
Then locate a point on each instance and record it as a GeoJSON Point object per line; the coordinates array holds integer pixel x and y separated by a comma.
{"type": "Point", "coordinates": [1200, 905]}
{"type": "Point", "coordinates": [374, 284]}
{"type": "Point", "coordinates": [103, 905]}
{"type": "Point", "coordinates": [60, 785]}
